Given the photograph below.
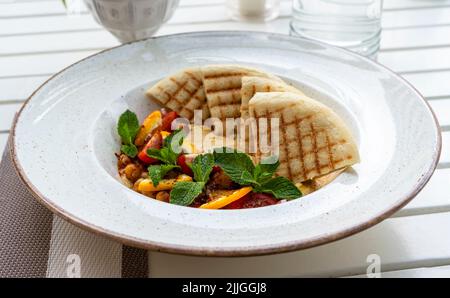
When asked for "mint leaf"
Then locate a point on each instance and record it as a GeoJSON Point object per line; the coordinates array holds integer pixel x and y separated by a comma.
{"type": "Point", "coordinates": [234, 164]}
{"type": "Point", "coordinates": [264, 171]}
{"type": "Point", "coordinates": [158, 172]}
{"type": "Point", "coordinates": [130, 150]}
{"type": "Point", "coordinates": [247, 178]}
{"type": "Point", "coordinates": [280, 188]}
{"type": "Point", "coordinates": [184, 192]}
{"type": "Point", "coordinates": [155, 153]}
{"type": "Point", "coordinates": [171, 149]}
{"type": "Point", "coordinates": [202, 167]}
{"type": "Point", "coordinates": [162, 154]}
{"type": "Point", "coordinates": [128, 127]}
{"type": "Point", "coordinates": [174, 141]}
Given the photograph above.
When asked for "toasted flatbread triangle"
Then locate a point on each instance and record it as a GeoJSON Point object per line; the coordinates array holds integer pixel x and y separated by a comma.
{"type": "Point", "coordinates": [182, 92]}
{"type": "Point", "coordinates": [222, 85]}
{"type": "Point", "coordinates": [313, 140]}
{"type": "Point", "coordinates": [251, 85]}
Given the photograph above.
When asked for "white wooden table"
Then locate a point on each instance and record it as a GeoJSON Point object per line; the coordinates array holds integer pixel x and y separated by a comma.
{"type": "Point", "coordinates": [37, 39]}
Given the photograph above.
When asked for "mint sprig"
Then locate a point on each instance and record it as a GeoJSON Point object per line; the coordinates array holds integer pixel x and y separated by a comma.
{"type": "Point", "coordinates": [280, 188]}
{"type": "Point", "coordinates": [128, 127]}
{"type": "Point", "coordinates": [185, 192]}
{"type": "Point", "coordinates": [240, 168]}
{"type": "Point", "coordinates": [236, 164]}
{"type": "Point", "coordinates": [168, 155]}
{"type": "Point", "coordinates": [202, 167]}
{"type": "Point", "coordinates": [157, 172]}
{"type": "Point", "coordinates": [171, 149]}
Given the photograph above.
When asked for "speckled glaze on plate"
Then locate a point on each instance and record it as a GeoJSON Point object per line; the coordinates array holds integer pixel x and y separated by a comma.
{"type": "Point", "coordinates": [65, 136]}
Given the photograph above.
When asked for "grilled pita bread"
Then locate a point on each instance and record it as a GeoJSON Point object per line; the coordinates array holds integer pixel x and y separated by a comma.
{"type": "Point", "coordinates": [222, 85]}
{"type": "Point", "coordinates": [182, 92]}
{"type": "Point", "coordinates": [313, 140]}
{"type": "Point", "coordinates": [251, 85]}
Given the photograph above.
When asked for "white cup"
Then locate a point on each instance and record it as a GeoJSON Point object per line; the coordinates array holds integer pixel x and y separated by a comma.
{"type": "Point", "coordinates": [130, 20]}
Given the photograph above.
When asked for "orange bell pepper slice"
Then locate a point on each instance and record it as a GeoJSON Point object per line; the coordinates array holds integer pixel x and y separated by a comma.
{"type": "Point", "coordinates": [152, 121]}
{"type": "Point", "coordinates": [164, 184]}
{"type": "Point", "coordinates": [226, 199]}
{"type": "Point", "coordinates": [165, 134]}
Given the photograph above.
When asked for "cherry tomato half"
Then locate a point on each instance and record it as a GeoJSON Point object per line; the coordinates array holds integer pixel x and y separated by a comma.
{"type": "Point", "coordinates": [167, 121]}
{"type": "Point", "coordinates": [182, 162]}
{"type": "Point", "coordinates": [155, 142]}
{"type": "Point", "coordinates": [253, 200]}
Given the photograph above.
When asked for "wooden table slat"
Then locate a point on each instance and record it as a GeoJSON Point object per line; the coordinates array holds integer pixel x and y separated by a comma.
{"type": "Point", "coordinates": [3, 140]}
{"type": "Point", "coordinates": [401, 243]}
{"type": "Point", "coordinates": [7, 112]}
{"type": "Point", "coordinates": [434, 197]}
{"type": "Point", "coordinates": [210, 14]}
{"type": "Point", "coordinates": [37, 39]}
{"type": "Point", "coordinates": [392, 40]}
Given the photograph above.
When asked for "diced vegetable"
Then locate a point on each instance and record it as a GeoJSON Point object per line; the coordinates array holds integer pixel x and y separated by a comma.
{"type": "Point", "coordinates": [253, 200]}
{"type": "Point", "coordinates": [182, 161]}
{"type": "Point", "coordinates": [164, 184]}
{"type": "Point", "coordinates": [227, 198]}
{"type": "Point", "coordinates": [184, 177]}
{"type": "Point", "coordinates": [155, 142]}
{"type": "Point", "coordinates": [133, 172]}
{"type": "Point", "coordinates": [152, 121]}
{"type": "Point", "coordinates": [165, 134]}
{"type": "Point", "coordinates": [163, 196]}
{"type": "Point", "coordinates": [167, 121]}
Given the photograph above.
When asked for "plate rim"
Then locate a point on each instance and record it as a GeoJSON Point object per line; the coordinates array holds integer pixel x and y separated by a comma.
{"type": "Point", "coordinates": [217, 251]}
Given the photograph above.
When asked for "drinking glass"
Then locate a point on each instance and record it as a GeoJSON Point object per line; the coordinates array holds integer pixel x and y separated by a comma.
{"type": "Point", "coordinates": [130, 20]}
{"type": "Point", "coordinates": [352, 24]}
{"type": "Point", "coordinates": [253, 10]}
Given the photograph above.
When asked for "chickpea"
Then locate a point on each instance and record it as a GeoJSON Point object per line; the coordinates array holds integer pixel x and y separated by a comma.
{"type": "Point", "coordinates": [133, 172]}
{"type": "Point", "coordinates": [123, 161]}
{"type": "Point", "coordinates": [136, 184]}
{"type": "Point", "coordinates": [163, 196]}
{"type": "Point", "coordinates": [149, 194]}
{"type": "Point", "coordinates": [126, 182]}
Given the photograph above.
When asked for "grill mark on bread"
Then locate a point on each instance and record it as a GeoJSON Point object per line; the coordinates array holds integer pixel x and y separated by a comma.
{"type": "Point", "coordinates": [330, 154]}
{"type": "Point", "coordinates": [302, 154]}
{"type": "Point", "coordinates": [221, 104]}
{"type": "Point", "coordinates": [314, 144]}
{"type": "Point", "coordinates": [180, 86]}
{"type": "Point", "coordinates": [223, 75]}
{"type": "Point", "coordinates": [286, 152]}
{"type": "Point", "coordinates": [194, 78]}
{"type": "Point", "coordinates": [300, 139]}
{"type": "Point", "coordinates": [231, 89]}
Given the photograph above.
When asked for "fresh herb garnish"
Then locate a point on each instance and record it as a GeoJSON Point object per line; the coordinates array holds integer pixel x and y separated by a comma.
{"type": "Point", "coordinates": [157, 172]}
{"type": "Point", "coordinates": [202, 167]}
{"type": "Point", "coordinates": [184, 193]}
{"type": "Point", "coordinates": [170, 150]}
{"type": "Point", "coordinates": [280, 188]}
{"type": "Point", "coordinates": [128, 127]}
{"type": "Point", "coordinates": [236, 164]}
{"type": "Point", "coordinates": [168, 155]}
{"type": "Point", "coordinates": [240, 168]}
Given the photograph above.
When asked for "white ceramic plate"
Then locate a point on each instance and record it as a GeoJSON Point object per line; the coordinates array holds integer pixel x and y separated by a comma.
{"type": "Point", "coordinates": [65, 137]}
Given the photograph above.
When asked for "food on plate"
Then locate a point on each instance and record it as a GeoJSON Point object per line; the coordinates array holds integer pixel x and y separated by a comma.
{"type": "Point", "coordinates": [170, 161]}
{"type": "Point", "coordinates": [182, 92]}
{"type": "Point", "coordinates": [251, 85]}
{"type": "Point", "coordinates": [314, 141]}
{"type": "Point", "coordinates": [223, 88]}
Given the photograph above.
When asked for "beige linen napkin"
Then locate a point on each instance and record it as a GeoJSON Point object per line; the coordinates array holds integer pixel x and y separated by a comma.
{"type": "Point", "coordinates": [36, 243]}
